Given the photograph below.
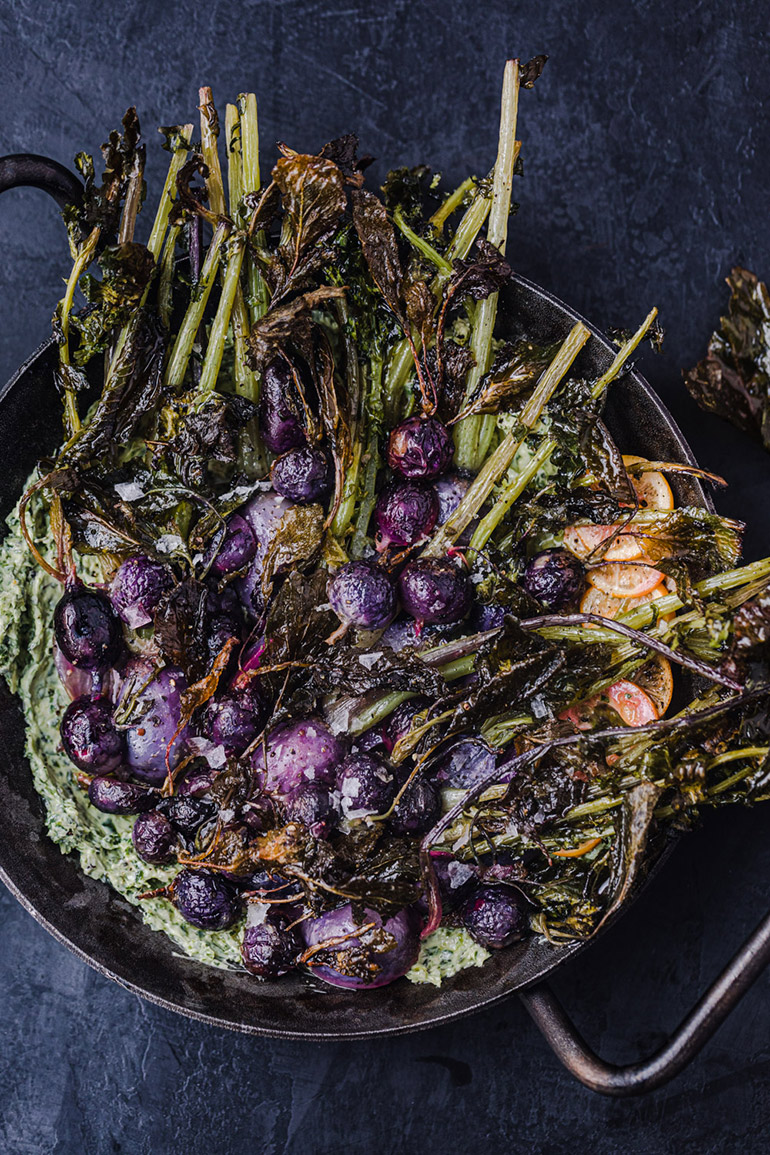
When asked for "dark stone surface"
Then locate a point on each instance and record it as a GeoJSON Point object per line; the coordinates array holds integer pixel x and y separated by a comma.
{"type": "Point", "coordinates": [646, 177]}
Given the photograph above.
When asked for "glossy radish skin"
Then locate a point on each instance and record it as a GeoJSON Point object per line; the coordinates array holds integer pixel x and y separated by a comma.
{"type": "Point", "coordinates": [87, 629]}
{"type": "Point", "coordinates": [87, 683]}
{"type": "Point", "coordinates": [196, 783]}
{"type": "Point", "coordinates": [418, 808]}
{"type": "Point", "coordinates": [420, 447]}
{"type": "Point", "coordinates": [77, 683]}
{"type": "Point", "coordinates": [406, 631]}
{"type": "Point", "coordinates": [263, 515]}
{"type": "Point", "coordinates": [405, 513]}
{"type": "Point", "coordinates": [236, 718]}
{"type": "Point", "coordinates": [137, 588]}
{"type": "Point", "coordinates": [154, 838]}
{"type": "Point", "coordinates": [468, 762]}
{"type": "Point", "coordinates": [237, 548]}
{"type": "Point", "coordinates": [297, 753]}
{"type": "Point", "coordinates": [278, 426]}
{"type": "Point", "coordinates": [224, 619]}
{"type": "Point", "coordinates": [450, 491]}
{"type": "Point", "coordinates": [366, 786]}
{"type": "Point", "coordinates": [489, 617]}
{"type": "Point", "coordinates": [154, 719]}
{"type": "Point", "coordinates": [555, 577]}
{"type": "Point", "coordinates": [269, 949]}
{"type": "Point", "coordinates": [206, 899]}
{"type": "Point", "coordinates": [496, 916]}
{"type": "Point", "coordinates": [362, 595]}
{"type": "Point", "coordinates": [114, 797]}
{"type": "Point", "coordinates": [435, 590]}
{"type": "Point", "coordinates": [186, 813]}
{"type": "Point", "coordinates": [311, 805]}
{"type": "Point", "coordinates": [385, 966]}
{"type": "Point", "coordinates": [304, 475]}
{"type": "Point", "coordinates": [89, 736]}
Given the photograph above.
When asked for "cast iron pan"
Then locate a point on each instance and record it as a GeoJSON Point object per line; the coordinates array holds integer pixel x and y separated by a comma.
{"type": "Point", "coordinates": [108, 933]}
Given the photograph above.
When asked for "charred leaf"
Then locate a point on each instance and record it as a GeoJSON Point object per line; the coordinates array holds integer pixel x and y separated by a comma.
{"type": "Point", "coordinates": [733, 379]}
{"type": "Point", "coordinates": [131, 392]}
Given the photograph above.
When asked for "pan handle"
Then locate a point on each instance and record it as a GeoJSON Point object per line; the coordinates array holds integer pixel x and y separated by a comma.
{"type": "Point", "coordinates": [693, 1032]}
{"type": "Point", "coordinates": [26, 169]}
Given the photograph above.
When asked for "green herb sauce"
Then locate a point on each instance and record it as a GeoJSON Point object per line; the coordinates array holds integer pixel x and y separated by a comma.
{"type": "Point", "coordinates": [103, 841]}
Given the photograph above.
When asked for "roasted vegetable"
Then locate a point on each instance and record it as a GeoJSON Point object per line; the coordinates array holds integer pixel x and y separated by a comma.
{"type": "Point", "coordinates": [733, 379]}
{"type": "Point", "coordinates": [392, 622]}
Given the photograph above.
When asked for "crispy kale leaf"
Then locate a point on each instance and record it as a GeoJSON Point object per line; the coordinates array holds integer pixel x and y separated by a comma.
{"type": "Point", "coordinates": [131, 391]}
{"type": "Point", "coordinates": [380, 248]}
{"type": "Point", "coordinates": [313, 192]}
{"type": "Point", "coordinates": [101, 206]}
{"type": "Point", "coordinates": [212, 434]}
{"type": "Point", "coordinates": [733, 379]}
{"type": "Point", "coordinates": [126, 273]}
{"type": "Point", "coordinates": [181, 621]}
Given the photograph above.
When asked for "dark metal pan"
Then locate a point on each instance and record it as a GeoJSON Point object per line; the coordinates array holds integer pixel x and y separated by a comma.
{"type": "Point", "coordinates": [108, 933]}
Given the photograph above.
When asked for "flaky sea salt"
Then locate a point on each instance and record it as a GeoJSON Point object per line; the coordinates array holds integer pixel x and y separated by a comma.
{"type": "Point", "coordinates": [458, 872]}
{"type": "Point", "coordinates": [169, 543]}
{"type": "Point", "coordinates": [369, 659]}
{"type": "Point", "coordinates": [128, 490]}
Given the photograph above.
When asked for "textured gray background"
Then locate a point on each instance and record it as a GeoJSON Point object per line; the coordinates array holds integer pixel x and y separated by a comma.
{"type": "Point", "coordinates": [647, 165]}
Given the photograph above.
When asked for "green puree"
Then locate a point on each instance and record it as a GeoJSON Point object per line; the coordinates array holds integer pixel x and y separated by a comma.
{"type": "Point", "coordinates": [103, 841]}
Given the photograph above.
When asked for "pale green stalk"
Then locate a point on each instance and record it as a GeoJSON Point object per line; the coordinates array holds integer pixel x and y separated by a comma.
{"type": "Point", "coordinates": [734, 779]}
{"type": "Point", "coordinates": [166, 277]}
{"type": "Point", "coordinates": [400, 366]}
{"type": "Point", "coordinates": [732, 579]}
{"type": "Point", "coordinates": [209, 135]}
{"type": "Point", "coordinates": [81, 263]}
{"type": "Point", "coordinates": [246, 380]}
{"type": "Point", "coordinates": [349, 491]}
{"type": "Point", "coordinates": [500, 460]}
{"type": "Point", "coordinates": [247, 108]}
{"type": "Point", "coordinates": [257, 295]}
{"type": "Point", "coordinates": [157, 234]}
{"type": "Point", "coordinates": [726, 783]}
{"type": "Point", "coordinates": [512, 491]}
{"type": "Point", "coordinates": [377, 711]}
{"type": "Point", "coordinates": [452, 202]}
{"type": "Point", "coordinates": [421, 244]}
{"type": "Point", "coordinates": [734, 756]}
{"type": "Point", "coordinates": [489, 524]}
{"type": "Point", "coordinates": [473, 434]}
{"type": "Point", "coordinates": [167, 197]}
{"type": "Point", "coordinates": [185, 339]}
{"type": "Point", "coordinates": [499, 731]}
{"type": "Point", "coordinates": [234, 160]}
{"type": "Point", "coordinates": [471, 224]}
{"type": "Point", "coordinates": [651, 613]}
{"type": "Point", "coordinates": [623, 353]}
{"type": "Point", "coordinates": [587, 809]}
{"type": "Point", "coordinates": [459, 668]}
{"type": "Point", "coordinates": [133, 200]}
{"type": "Point", "coordinates": [347, 504]}
{"type": "Point", "coordinates": [371, 419]}
{"type": "Point", "coordinates": [221, 323]}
